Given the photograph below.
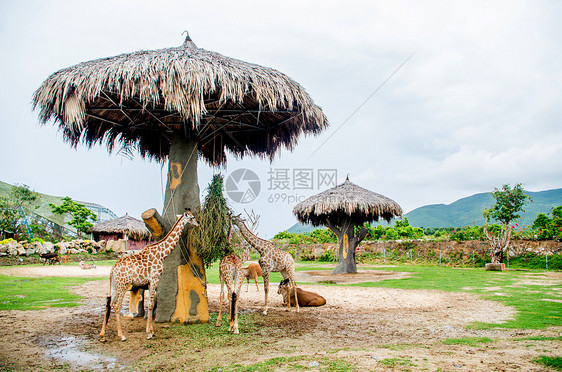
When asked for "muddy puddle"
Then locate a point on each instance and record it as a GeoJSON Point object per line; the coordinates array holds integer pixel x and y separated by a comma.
{"type": "Point", "coordinates": [70, 350]}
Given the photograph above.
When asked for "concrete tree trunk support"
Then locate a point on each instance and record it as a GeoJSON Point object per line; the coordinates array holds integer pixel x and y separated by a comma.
{"type": "Point", "coordinates": [348, 243]}
{"type": "Point", "coordinates": [182, 291]}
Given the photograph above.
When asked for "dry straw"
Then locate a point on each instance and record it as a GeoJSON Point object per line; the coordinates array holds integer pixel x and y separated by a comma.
{"type": "Point", "coordinates": [346, 202]}
{"type": "Point", "coordinates": [127, 225]}
{"type": "Point", "coordinates": [142, 99]}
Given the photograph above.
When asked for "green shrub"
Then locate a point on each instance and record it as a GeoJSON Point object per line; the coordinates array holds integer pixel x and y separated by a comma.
{"type": "Point", "coordinates": [6, 241]}
{"type": "Point", "coordinates": [533, 261]}
{"type": "Point", "coordinates": [327, 256]}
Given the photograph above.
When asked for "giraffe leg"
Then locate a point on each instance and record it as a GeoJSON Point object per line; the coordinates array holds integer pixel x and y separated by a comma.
{"type": "Point", "coordinates": [294, 284]}
{"type": "Point", "coordinates": [266, 290]}
{"type": "Point", "coordinates": [231, 298]}
{"type": "Point", "coordinates": [247, 284]}
{"type": "Point", "coordinates": [151, 295]}
{"type": "Point", "coordinates": [238, 287]}
{"type": "Point", "coordinates": [112, 293]}
{"type": "Point", "coordinates": [257, 287]}
{"type": "Point", "coordinates": [117, 308]}
{"type": "Point", "coordinates": [105, 318]}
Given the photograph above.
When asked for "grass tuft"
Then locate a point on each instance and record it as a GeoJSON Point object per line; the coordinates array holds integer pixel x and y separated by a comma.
{"type": "Point", "coordinates": [551, 362]}
{"type": "Point", "coordinates": [468, 341]}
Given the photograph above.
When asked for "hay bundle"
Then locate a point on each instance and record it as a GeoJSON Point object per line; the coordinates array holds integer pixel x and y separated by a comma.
{"type": "Point", "coordinates": [210, 238]}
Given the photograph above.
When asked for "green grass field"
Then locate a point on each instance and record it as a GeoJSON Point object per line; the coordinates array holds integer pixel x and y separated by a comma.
{"type": "Point", "coordinates": [18, 293]}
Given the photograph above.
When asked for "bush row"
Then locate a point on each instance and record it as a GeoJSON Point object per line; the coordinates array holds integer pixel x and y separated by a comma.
{"type": "Point", "coordinates": [543, 228]}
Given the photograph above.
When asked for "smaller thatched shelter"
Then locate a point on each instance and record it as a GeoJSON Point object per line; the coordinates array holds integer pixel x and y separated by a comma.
{"type": "Point", "coordinates": [132, 232]}
{"type": "Point", "coordinates": [342, 209]}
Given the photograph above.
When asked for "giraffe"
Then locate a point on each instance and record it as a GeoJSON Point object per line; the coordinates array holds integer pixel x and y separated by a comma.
{"type": "Point", "coordinates": [271, 259]}
{"type": "Point", "coordinates": [142, 269]}
{"type": "Point", "coordinates": [231, 274]}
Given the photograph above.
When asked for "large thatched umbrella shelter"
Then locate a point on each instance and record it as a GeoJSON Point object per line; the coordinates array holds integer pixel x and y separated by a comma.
{"type": "Point", "coordinates": [179, 104]}
{"type": "Point", "coordinates": [343, 208]}
{"type": "Point", "coordinates": [131, 230]}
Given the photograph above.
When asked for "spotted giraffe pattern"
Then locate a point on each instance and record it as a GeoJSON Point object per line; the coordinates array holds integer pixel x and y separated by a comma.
{"type": "Point", "coordinates": [271, 259]}
{"type": "Point", "coordinates": [140, 270]}
{"type": "Point", "coordinates": [231, 274]}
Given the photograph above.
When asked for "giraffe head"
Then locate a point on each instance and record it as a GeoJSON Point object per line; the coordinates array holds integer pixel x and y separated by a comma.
{"type": "Point", "coordinates": [189, 218]}
{"type": "Point", "coordinates": [236, 219]}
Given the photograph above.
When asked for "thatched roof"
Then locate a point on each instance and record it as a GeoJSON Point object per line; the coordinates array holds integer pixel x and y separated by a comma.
{"type": "Point", "coordinates": [140, 100]}
{"type": "Point", "coordinates": [346, 202]}
{"type": "Point", "coordinates": [133, 228]}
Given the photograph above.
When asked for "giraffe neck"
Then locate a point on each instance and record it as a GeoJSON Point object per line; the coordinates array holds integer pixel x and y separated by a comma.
{"type": "Point", "coordinates": [167, 244]}
{"type": "Point", "coordinates": [259, 244]}
{"type": "Point", "coordinates": [229, 238]}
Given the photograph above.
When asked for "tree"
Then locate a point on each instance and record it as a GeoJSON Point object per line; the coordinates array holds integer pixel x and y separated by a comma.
{"type": "Point", "coordinates": [507, 208]}
{"type": "Point", "coordinates": [80, 214]}
{"type": "Point", "coordinates": [17, 204]}
{"type": "Point", "coordinates": [549, 228]}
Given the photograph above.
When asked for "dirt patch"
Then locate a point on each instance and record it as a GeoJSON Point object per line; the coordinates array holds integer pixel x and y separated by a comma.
{"type": "Point", "coordinates": [550, 278]}
{"type": "Point", "coordinates": [363, 326]}
{"type": "Point", "coordinates": [56, 270]}
{"type": "Point", "coordinates": [321, 276]}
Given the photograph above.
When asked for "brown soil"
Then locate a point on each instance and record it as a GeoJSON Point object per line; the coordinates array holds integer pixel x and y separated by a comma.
{"type": "Point", "coordinates": [367, 327]}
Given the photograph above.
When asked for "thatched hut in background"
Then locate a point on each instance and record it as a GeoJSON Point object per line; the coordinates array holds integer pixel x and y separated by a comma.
{"type": "Point", "coordinates": [130, 232]}
{"type": "Point", "coordinates": [342, 209]}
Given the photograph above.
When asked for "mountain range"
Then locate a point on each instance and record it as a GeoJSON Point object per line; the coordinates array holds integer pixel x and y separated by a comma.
{"type": "Point", "coordinates": [468, 211]}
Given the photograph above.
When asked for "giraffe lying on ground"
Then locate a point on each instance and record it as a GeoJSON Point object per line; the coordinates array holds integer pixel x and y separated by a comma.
{"type": "Point", "coordinates": [271, 259]}
{"type": "Point", "coordinates": [141, 269]}
{"type": "Point", "coordinates": [231, 274]}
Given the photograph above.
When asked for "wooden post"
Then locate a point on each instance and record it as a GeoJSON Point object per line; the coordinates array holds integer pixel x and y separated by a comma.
{"type": "Point", "coordinates": [155, 223]}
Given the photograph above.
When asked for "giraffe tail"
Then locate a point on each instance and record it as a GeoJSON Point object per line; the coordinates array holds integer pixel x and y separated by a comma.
{"type": "Point", "coordinates": [107, 308]}
{"type": "Point", "coordinates": [232, 306]}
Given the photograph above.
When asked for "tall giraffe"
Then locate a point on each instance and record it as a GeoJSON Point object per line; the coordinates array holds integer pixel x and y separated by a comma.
{"type": "Point", "coordinates": [142, 269]}
{"type": "Point", "coordinates": [231, 274]}
{"type": "Point", "coordinates": [271, 259]}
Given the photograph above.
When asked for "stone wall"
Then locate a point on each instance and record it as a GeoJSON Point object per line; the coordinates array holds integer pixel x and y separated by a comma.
{"type": "Point", "coordinates": [426, 249]}
{"type": "Point", "coordinates": [23, 248]}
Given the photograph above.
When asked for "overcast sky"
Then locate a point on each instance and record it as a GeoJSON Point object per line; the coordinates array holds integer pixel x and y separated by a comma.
{"type": "Point", "coordinates": [476, 104]}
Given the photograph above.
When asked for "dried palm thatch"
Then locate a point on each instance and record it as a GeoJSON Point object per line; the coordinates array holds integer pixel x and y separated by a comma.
{"type": "Point", "coordinates": [346, 202]}
{"type": "Point", "coordinates": [142, 99]}
{"type": "Point", "coordinates": [130, 226]}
